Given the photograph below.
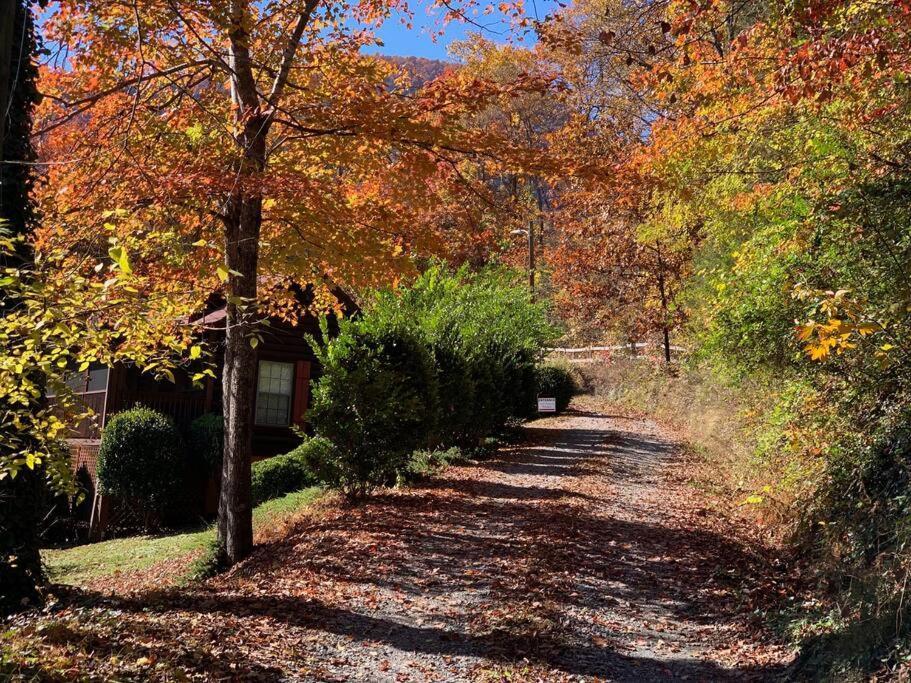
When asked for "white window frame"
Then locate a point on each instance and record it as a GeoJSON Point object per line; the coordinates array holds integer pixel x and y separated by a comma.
{"type": "Point", "coordinates": [274, 382]}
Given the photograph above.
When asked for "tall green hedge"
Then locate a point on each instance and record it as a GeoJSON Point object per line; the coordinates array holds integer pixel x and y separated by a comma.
{"type": "Point", "coordinates": [377, 401]}
{"type": "Point", "coordinates": [482, 325]}
{"type": "Point", "coordinates": [445, 362]}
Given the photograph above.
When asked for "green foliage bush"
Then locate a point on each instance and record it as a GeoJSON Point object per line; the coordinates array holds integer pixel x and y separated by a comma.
{"type": "Point", "coordinates": [141, 458]}
{"type": "Point", "coordinates": [444, 363]}
{"type": "Point", "coordinates": [282, 474]}
{"type": "Point", "coordinates": [205, 441]}
{"type": "Point", "coordinates": [829, 432]}
{"type": "Point", "coordinates": [826, 453]}
{"type": "Point", "coordinates": [486, 335]}
{"type": "Point", "coordinates": [558, 382]}
{"type": "Point", "coordinates": [458, 395]}
{"type": "Point", "coordinates": [376, 401]}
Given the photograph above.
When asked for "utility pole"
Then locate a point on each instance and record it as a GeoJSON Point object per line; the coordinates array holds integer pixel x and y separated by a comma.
{"type": "Point", "coordinates": [531, 259]}
{"type": "Point", "coordinates": [662, 290]}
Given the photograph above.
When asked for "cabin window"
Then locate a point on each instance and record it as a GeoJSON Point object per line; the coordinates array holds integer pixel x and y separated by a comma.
{"type": "Point", "coordinates": [273, 393]}
{"type": "Point", "coordinates": [94, 380]}
{"type": "Point", "coordinates": [97, 380]}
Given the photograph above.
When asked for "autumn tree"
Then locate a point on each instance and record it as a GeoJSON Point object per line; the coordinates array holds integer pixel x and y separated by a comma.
{"type": "Point", "coordinates": [516, 202]}
{"type": "Point", "coordinates": [256, 134]}
{"type": "Point", "coordinates": [608, 274]}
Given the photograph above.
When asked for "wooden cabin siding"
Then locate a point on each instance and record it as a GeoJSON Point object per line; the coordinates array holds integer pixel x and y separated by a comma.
{"type": "Point", "coordinates": [125, 386]}
{"type": "Point", "coordinates": [180, 400]}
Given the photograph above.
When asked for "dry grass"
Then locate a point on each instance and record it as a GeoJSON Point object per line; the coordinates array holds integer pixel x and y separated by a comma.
{"type": "Point", "coordinates": [718, 423]}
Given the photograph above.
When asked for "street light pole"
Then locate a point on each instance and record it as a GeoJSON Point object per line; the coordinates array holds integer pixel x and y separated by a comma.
{"type": "Point", "coordinates": [530, 234]}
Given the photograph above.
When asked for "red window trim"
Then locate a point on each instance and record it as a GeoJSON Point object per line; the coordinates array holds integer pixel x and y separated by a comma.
{"type": "Point", "coordinates": [301, 398]}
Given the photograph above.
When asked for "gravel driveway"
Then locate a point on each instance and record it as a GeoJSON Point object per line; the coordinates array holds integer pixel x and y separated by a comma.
{"type": "Point", "coordinates": [575, 556]}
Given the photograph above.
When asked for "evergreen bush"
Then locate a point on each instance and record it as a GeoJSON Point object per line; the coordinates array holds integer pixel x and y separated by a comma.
{"type": "Point", "coordinates": [486, 335]}
{"type": "Point", "coordinates": [377, 401]}
{"type": "Point", "coordinates": [141, 458]}
{"type": "Point", "coordinates": [293, 471]}
{"type": "Point", "coordinates": [444, 363]}
{"type": "Point", "coordinates": [206, 439]}
{"type": "Point", "coordinates": [557, 382]}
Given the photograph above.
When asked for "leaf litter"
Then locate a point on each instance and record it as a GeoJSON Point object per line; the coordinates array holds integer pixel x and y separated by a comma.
{"type": "Point", "coordinates": [581, 554]}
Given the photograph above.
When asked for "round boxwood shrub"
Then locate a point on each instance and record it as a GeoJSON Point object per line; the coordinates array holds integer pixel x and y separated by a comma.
{"type": "Point", "coordinates": [141, 459]}
{"type": "Point", "coordinates": [557, 382]}
{"type": "Point", "coordinates": [293, 471]}
{"type": "Point", "coordinates": [377, 401]}
{"type": "Point", "coordinates": [206, 439]}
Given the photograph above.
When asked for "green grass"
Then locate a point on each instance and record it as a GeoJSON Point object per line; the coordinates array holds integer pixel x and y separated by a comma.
{"type": "Point", "coordinates": [85, 563]}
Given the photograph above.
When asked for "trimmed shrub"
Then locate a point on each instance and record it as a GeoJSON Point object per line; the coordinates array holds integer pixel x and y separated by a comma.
{"type": "Point", "coordinates": [141, 458]}
{"type": "Point", "coordinates": [377, 401]}
{"type": "Point", "coordinates": [521, 392]}
{"type": "Point", "coordinates": [486, 335]}
{"type": "Point", "coordinates": [555, 381]}
{"type": "Point", "coordinates": [447, 362]}
{"type": "Point", "coordinates": [293, 471]}
{"type": "Point", "coordinates": [205, 440]}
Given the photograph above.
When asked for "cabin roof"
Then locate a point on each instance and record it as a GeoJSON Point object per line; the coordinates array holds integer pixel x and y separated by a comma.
{"type": "Point", "coordinates": [216, 317]}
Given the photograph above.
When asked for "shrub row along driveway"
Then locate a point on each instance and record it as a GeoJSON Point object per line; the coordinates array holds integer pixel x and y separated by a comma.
{"type": "Point", "coordinates": [572, 557]}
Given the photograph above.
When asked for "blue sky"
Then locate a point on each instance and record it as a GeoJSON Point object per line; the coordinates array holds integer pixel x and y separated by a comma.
{"type": "Point", "coordinates": [418, 41]}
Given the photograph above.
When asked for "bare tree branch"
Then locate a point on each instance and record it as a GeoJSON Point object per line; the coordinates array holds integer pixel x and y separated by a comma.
{"type": "Point", "coordinates": [288, 54]}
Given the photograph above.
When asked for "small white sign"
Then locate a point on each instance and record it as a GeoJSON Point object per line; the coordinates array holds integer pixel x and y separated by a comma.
{"type": "Point", "coordinates": [547, 405]}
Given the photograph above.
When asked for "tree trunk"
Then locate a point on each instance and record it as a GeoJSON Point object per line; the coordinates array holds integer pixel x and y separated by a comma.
{"type": "Point", "coordinates": [242, 218]}
{"type": "Point", "coordinates": [8, 10]}
{"type": "Point", "coordinates": [665, 328]}
{"type": "Point", "coordinates": [235, 513]}
{"type": "Point", "coordinates": [242, 226]}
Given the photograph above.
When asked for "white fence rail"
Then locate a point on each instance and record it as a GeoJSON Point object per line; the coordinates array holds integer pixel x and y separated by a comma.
{"type": "Point", "coordinates": [589, 353]}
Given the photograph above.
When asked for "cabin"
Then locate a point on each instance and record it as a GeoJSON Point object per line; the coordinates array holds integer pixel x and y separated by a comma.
{"type": "Point", "coordinates": [286, 366]}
